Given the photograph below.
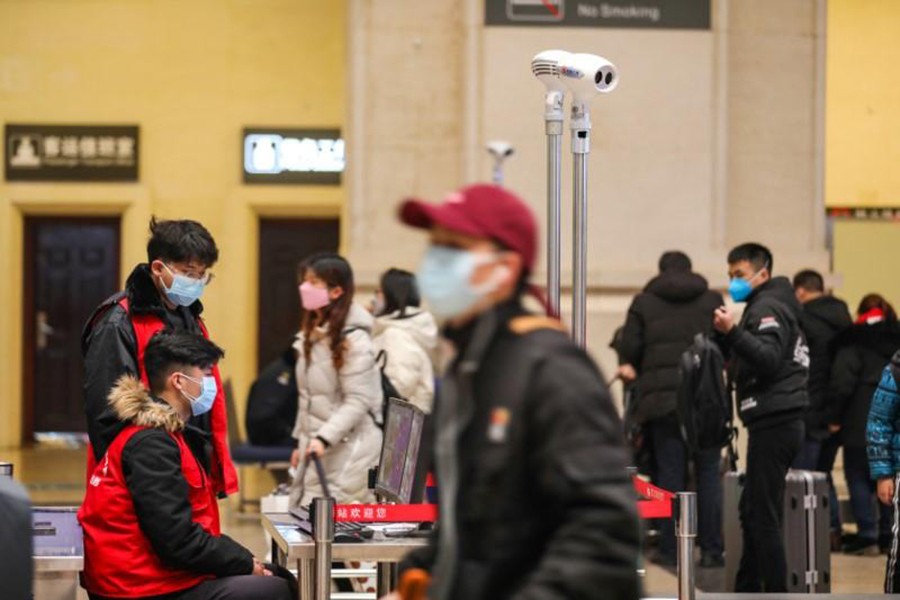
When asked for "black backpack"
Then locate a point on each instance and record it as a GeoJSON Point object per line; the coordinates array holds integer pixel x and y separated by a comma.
{"type": "Point", "coordinates": [272, 404]}
{"type": "Point", "coordinates": [705, 410]}
{"type": "Point", "coordinates": [388, 389]}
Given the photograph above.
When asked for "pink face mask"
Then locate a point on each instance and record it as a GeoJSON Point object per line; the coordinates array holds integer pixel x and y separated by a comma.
{"type": "Point", "coordinates": [312, 297]}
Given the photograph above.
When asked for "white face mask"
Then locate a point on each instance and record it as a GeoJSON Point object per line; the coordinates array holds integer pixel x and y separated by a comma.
{"type": "Point", "coordinates": [445, 279]}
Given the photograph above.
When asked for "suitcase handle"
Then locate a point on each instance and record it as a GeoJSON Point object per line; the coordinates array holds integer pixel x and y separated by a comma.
{"type": "Point", "coordinates": [320, 472]}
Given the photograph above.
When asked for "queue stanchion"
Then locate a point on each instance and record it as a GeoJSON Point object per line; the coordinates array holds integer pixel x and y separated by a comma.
{"type": "Point", "coordinates": [686, 532]}
{"type": "Point", "coordinates": [323, 537]}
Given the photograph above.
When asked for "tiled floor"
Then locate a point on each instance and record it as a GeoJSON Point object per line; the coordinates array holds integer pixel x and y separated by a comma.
{"type": "Point", "coordinates": [56, 476]}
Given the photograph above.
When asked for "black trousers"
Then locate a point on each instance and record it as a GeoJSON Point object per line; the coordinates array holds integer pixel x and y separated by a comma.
{"type": "Point", "coordinates": [770, 452]}
{"type": "Point", "coordinates": [240, 587]}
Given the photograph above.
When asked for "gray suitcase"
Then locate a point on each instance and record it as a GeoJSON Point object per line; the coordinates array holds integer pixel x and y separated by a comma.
{"type": "Point", "coordinates": [806, 530]}
{"type": "Point", "coordinates": [732, 485]}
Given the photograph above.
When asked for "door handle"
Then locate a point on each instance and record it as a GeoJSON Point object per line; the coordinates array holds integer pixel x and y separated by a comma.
{"type": "Point", "coordinates": [42, 330]}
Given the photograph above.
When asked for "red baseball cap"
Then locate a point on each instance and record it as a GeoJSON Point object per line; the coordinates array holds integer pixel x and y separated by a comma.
{"type": "Point", "coordinates": [482, 211]}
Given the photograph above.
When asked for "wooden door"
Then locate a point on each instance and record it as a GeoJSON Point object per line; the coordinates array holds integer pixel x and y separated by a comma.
{"type": "Point", "coordinates": [71, 265]}
{"type": "Point", "coordinates": [283, 244]}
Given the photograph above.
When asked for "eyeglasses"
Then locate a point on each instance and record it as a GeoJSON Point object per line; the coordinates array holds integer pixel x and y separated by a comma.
{"type": "Point", "coordinates": [206, 278]}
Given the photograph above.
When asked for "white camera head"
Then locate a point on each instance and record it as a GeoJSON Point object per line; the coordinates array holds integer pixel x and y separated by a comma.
{"type": "Point", "coordinates": [500, 149]}
{"type": "Point", "coordinates": [587, 75]}
{"type": "Point", "coordinates": [545, 66]}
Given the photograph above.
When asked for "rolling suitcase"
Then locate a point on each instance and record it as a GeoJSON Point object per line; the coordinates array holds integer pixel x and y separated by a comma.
{"type": "Point", "coordinates": [806, 532]}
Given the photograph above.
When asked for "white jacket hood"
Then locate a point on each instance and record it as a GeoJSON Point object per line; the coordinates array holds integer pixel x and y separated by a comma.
{"type": "Point", "coordinates": [418, 323]}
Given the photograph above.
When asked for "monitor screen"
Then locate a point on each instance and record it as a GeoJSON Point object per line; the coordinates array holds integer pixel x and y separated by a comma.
{"type": "Point", "coordinates": [399, 452]}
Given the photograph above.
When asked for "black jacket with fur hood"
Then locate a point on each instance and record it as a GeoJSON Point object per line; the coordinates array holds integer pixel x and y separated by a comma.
{"type": "Point", "coordinates": [151, 463]}
{"type": "Point", "coordinates": [109, 348]}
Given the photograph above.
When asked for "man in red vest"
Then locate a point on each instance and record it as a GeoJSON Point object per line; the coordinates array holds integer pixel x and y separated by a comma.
{"type": "Point", "coordinates": [150, 516]}
{"type": "Point", "coordinates": [162, 294]}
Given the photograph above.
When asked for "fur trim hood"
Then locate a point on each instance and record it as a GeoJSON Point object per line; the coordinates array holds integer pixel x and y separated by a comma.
{"type": "Point", "coordinates": [133, 404]}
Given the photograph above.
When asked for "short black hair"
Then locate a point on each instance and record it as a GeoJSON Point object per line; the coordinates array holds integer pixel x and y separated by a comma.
{"type": "Point", "coordinates": [168, 352]}
{"type": "Point", "coordinates": [400, 291]}
{"type": "Point", "coordinates": [756, 254]}
{"type": "Point", "coordinates": [809, 280]}
{"type": "Point", "coordinates": [675, 261]}
{"type": "Point", "coordinates": [181, 241]}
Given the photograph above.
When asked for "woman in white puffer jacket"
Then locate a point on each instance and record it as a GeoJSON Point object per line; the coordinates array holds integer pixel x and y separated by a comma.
{"type": "Point", "coordinates": [407, 336]}
{"type": "Point", "coordinates": [339, 386]}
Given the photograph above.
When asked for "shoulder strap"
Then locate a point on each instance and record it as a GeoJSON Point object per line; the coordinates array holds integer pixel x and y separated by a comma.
{"type": "Point", "coordinates": [530, 323]}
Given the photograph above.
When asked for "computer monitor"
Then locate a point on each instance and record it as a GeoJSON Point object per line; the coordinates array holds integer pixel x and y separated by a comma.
{"type": "Point", "coordinates": [403, 429]}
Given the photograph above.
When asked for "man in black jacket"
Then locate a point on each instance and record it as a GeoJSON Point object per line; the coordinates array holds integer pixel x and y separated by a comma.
{"type": "Point", "coordinates": [530, 460]}
{"type": "Point", "coordinates": [769, 366]}
{"type": "Point", "coordinates": [662, 321]}
{"type": "Point", "coordinates": [150, 518]}
{"type": "Point", "coordinates": [161, 294]}
{"type": "Point", "coordinates": [823, 318]}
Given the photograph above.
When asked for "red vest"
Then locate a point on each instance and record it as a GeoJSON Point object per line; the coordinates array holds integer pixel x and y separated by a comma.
{"type": "Point", "coordinates": [119, 560]}
{"type": "Point", "coordinates": [222, 471]}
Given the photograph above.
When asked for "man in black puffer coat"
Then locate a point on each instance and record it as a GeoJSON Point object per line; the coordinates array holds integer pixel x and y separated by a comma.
{"type": "Point", "coordinates": [824, 317]}
{"type": "Point", "coordinates": [661, 324]}
{"type": "Point", "coordinates": [861, 352]}
{"type": "Point", "coordinates": [768, 368]}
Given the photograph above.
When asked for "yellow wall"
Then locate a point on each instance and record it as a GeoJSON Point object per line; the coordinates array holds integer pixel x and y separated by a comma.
{"type": "Point", "coordinates": [863, 141]}
{"type": "Point", "coordinates": [864, 260]}
{"type": "Point", "coordinates": [862, 100]}
{"type": "Point", "coordinates": [191, 74]}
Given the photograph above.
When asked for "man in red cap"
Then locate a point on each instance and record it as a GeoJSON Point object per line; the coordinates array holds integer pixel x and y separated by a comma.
{"type": "Point", "coordinates": [530, 461]}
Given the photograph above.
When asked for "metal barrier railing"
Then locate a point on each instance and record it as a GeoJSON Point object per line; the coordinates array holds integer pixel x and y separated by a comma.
{"type": "Point", "coordinates": [658, 504]}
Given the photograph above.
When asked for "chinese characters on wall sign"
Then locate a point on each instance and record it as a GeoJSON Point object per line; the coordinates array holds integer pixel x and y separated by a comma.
{"type": "Point", "coordinates": [310, 156]}
{"type": "Point", "coordinates": [71, 153]}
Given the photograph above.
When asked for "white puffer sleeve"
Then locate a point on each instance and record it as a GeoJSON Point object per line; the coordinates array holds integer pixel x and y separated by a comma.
{"type": "Point", "coordinates": [360, 389]}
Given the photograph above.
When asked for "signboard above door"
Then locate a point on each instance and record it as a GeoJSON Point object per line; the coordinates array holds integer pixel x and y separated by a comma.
{"type": "Point", "coordinates": [648, 14]}
{"type": "Point", "coordinates": [71, 152]}
{"type": "Point", "coordinates": [306, 156]}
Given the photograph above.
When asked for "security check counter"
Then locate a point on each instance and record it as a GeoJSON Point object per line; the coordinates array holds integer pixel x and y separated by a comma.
{"type": "Point", "coordinates": [58, 555]}
{"type": "Point", "coordinates": [291, 546]}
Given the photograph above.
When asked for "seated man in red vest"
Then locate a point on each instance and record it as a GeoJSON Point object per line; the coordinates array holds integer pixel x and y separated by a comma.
{"type": "Point", "coordinates": [162, 294]}
{"type": "Point", "coordinates": [150, 516]}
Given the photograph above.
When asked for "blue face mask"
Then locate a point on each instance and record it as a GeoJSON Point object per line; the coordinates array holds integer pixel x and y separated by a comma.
{"type": "Point", "coordinates": [444, 278]}
{"type": "Point", "coordinates": [739, 289]}
{"type": "Point", "coordinates": [203, 403]}
{"type": "Point", "coordinates": [184, 290]}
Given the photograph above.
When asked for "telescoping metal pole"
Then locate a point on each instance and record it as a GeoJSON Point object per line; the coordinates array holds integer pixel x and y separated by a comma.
{"type": "Point", "coordinates": [581, 147]}
{"type": "Point", "coordinates": [323, 536]}
{"type": "Point", "coordinates": [586, 75]}
{"type": "Point", "coordinates": [686, 525]}
{"type": "Point", "coordinates": [545, 66]}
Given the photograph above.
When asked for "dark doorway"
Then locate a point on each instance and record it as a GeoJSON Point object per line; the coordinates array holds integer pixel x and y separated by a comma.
{"type": "Point", "coordinates": [283, 243]}
{"type": "Point", "coordinates": [71, 265]}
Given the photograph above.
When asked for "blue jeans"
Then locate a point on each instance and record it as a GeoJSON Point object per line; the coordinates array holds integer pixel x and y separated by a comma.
{"type": "Point", "coordinates": [671, 456]}
{"type": "Point", "coordinates": [863, 499]}
{"type": "Point", "coordinates": [827, 456]}
{"type": "Point", "coordinates": [808, 458]}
